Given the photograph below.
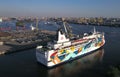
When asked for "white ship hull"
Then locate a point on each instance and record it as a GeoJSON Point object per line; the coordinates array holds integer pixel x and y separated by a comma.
{"type": "Point", "coordinates": [52, 58]}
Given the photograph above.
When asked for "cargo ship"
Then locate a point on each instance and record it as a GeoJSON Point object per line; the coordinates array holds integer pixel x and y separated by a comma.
{"type": "Point", "coordinates": [64, 48]}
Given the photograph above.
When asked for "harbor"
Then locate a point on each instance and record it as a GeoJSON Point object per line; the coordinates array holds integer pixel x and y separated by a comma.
{"type": "Point", "coordinates": [98, 64]}
{"type": "Point", "coordinates": [59, 38]}
{"type": "Point", "coordinates": [16, 41]}
{"type": "Point", "coordinates": [18, 46]}
{"type": "Point", "coordinates": [21, 34]}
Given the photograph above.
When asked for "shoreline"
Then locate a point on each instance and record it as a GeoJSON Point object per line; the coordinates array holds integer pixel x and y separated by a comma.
{"type": "Point", "coordinates": [106, 25]}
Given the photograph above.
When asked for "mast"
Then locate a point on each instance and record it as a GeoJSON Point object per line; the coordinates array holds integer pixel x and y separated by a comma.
{"type": "Point", "coordinates": [65, 28]}
{"type": "Point", "coordinates": [63, 19]}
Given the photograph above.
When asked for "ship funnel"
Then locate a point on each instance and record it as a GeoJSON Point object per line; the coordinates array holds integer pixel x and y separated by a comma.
{"type": "Point", "coordinates": [61, 37]}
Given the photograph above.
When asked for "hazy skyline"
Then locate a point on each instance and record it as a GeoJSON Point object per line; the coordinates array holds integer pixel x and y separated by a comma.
{"type": "Point", "coordinates": [60, 8]}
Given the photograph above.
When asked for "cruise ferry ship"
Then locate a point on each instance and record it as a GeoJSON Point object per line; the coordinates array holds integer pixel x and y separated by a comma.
{"type": "Point", "coordinates": [65, 49]}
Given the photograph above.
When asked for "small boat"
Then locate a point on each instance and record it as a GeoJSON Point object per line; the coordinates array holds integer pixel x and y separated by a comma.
{"type": "Point", "coordinates": [65, 48]}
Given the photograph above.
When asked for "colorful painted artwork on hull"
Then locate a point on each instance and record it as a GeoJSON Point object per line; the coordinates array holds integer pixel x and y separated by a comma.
{"type": "Point", "coordinates": [66, 54]}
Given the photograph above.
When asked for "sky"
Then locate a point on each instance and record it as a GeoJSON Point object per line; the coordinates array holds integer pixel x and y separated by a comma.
{"type": "Point", "coordinates": [60, 8]}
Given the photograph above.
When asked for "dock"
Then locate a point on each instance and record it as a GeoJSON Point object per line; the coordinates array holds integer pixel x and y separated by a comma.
{"type": "Point", "coordinates": [16, 41]}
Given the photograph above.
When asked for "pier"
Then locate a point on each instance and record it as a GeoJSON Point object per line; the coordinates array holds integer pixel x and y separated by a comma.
{"type": "Point", "coordinates": [16, 41]}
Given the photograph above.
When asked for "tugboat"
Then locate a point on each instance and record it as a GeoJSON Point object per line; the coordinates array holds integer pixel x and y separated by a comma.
{"type": "Point", "coordinates": [66, 48]}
